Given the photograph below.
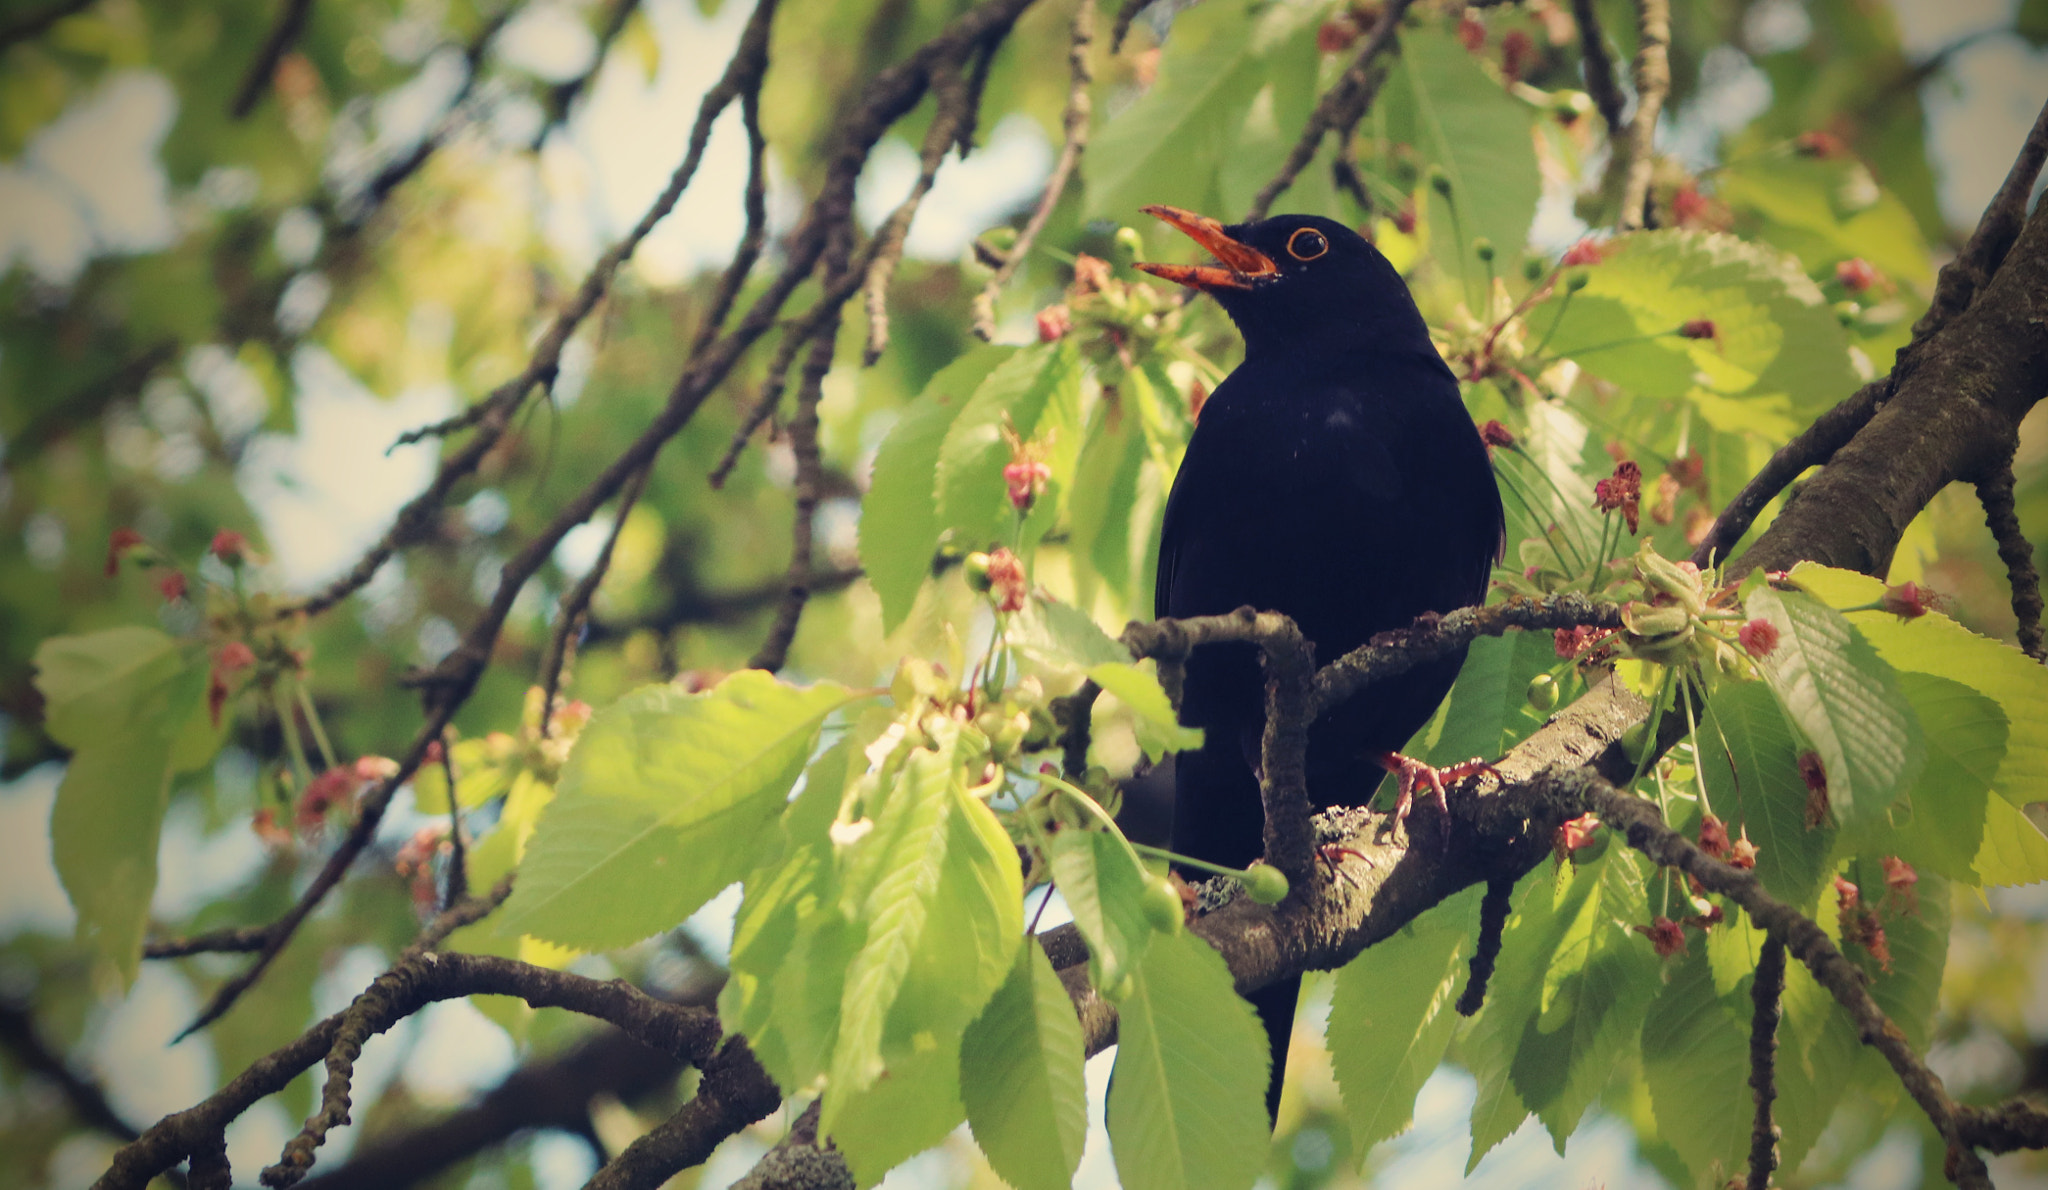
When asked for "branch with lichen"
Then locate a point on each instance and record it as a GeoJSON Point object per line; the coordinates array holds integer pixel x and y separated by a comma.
{"type": "Point", "coordinates": [2001, 516]}
{"type": "Point", "coordinates": [1653, 83]}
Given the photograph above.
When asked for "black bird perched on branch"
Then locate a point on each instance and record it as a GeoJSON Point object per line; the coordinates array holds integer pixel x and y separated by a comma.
{"type": "Point", "coordinates": [1336, 477]}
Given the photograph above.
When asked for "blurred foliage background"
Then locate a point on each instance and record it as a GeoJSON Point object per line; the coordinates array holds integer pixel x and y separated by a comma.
{"type": "Point", "coordinates": [232, 278]}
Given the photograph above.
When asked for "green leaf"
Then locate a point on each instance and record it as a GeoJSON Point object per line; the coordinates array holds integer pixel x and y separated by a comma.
{"type": "Point", "coordinates": [122, 701]}
{"type": "Point", "coordinates": [1488, 710]}
{"type": "Point", "coordinates": [899, 522]}
{"type": "Point", "coordinates": [1917, 931]}
{"type": "Point", "coordinates": [1940, 825]}
{"type": "Point", "coordinates": [1187, 1105]}
{"type": "Point", "coordinates": [1104, 887]}
{"type": "Point", "coordinates": [1105, 490]}
{"type": "Point", "coordinates": [1935, 644]}
{"type": "Point", "coordinates": [1696, 1061]}
{"type": "Point", "coordinates": [912, 1110]}
{"type": "Point", "coordinates": [1776, 342]}
{"type": "Point", "coordinates": [1824, 210]}
{"type": "Point", "coordinates": [1159, 729]}
{"type": "Point", "coordinates": [1063, 636]}
{"type": "Point", "coordinates": [1035, 384]}
{"type": "Point", "coordinates": [1844, 699]}
{"type": "Point", "coordinates": [1438, 100]}
{"type": "Point", "coordinates": [936, 887]}
{"type": "Point", "coordinates": [2014, 851]}
{"type": "Point", "coordinates": [1596, 985]}
{"type": "Point", "coordinates": [1169, 145]}
{"type": "Point", "coordinates": [666, 799]}
{"type": "Point", "coordinates": [1020, 1077]}
{"type": "Point", "coordinates": [1750, 759]}
{"type": "Point", "coordinates": [1391, 1019]}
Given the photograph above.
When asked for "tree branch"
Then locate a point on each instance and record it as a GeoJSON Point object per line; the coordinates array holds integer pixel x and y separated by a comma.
{"type": "Point", "coordinates": [1074, 129]}
{"type": "Point", "coordinates": [2002, 518]}
{"type": "Point", "coordinates": [1340, 108]}
{"type": "Point", "coordinates": [1599, 64]}
{"type": "Point", "coordinates": [1653, 83]}
{"type": "Point", "coordinates": [1766, 994]}
{"type": "Point", "coordinates": [34, 24]}
{"type": "Point", "coordinates": [291, 21]}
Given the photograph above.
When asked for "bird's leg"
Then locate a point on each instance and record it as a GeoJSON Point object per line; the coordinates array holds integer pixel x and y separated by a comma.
{"type": "Point", "coordinates": [1410, 774]}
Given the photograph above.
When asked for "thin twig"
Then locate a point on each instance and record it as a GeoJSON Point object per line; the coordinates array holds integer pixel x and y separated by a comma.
{"type": "Point", "coordinates": [291, 21]}
{"type": "Point", "coordinates": [954, 118]}
{"type": "Point", "coordinates": [1125, 14]}
{"type": "Point", "coordinates": [755, 203]}
{"type": "Point", "coordinates": [1815, 445]}
{"type": "Point", "coordinates": [2002, 518]}
{"type": "Point", "coordinates": [358, 208]}
{"type": "Point", "coordinates": [1339, 110]}
{"type": "Point", "coordinates": [1653, 83]}
{"type": "Point", "coordinates": [569, 614]}
{"type": "Point", "coordinates": [1074, 130]}
{"type": "Point", "coordinates": [743, 73]}
{"type": "Point", "coordinates": [1599, 66]}
{"type": "Point", "coordinates": [458, 854]}
{"type": "Point", "coordinates": [24, 1043]}
{"type": "Point", "coordinates": [1766, 995]}
{"type": "Point", "coordinates": [234, 940]}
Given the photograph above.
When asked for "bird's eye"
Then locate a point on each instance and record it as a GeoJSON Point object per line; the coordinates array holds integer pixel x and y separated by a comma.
{"type": "Point", "coordinates": [1307, 244]}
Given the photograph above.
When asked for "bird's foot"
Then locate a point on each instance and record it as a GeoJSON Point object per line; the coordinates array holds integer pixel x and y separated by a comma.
{"type": "Point", "coordinates": [1333, 855]}
{"type": "Point", "coordinates": [1411, 774]}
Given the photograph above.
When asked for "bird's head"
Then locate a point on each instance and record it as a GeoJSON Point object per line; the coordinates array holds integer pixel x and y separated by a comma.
{"type": "Point", "coordinates": [1296, 280]}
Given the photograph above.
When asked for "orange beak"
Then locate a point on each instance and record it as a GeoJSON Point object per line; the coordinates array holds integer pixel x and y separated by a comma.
{"type": "Point", "coordinates": [1238, 263]}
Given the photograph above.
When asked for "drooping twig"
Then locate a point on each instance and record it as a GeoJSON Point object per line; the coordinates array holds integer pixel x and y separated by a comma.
{"type": "Point", "coordinates": [575, 604]}
{"type": "Point", "coordinates": [1075, 715]}
{"type": "Point", "coordinates": [954, 117]}
{"type": "Point", "coordinates": [1997, 230]}
{"type": "Point", "coordinates": [234, 940]}
{"type": "Point", "coordinates": [803, 444]}
{"type": "Point", "coordinates": [755, 203]}
{"type": "Point", "coordinates": [2002, 518]}
{"type": "Point", "coordinates": [457, 886]}
{"type": "Point", "coordinates": [1599, 64]}
{"type": "Point", "coordinates": [1339, 110]}
{"type": "Point", "coordinates": [1493, 924]}
{"type": "Point", "coordinates": [1074, 133]}
{"type": "Point", "coordinates": [743, 73]}
{"type": "Point", "coordinates": [1766, 994]}
{"type": "Point", "coordinates": [1653, 83]}
{"type": "Point", "coordinates": [357, 208]}
{"type": "Point", "coordinates": [291, 21]}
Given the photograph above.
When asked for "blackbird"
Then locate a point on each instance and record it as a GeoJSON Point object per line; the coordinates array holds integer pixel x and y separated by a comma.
{"type": "Point", "coordinates": [1336, 477]}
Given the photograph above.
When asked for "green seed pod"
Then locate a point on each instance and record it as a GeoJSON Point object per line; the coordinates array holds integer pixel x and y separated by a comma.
{"type": "Point", "coordinates": [1542, 693]}
{"type": "Point", "coordinates": [1577, 281]}
{"type": "Point", "coordinates": [1163, 907]}
{"type": "Point", "coordinates": [1483, 248]}
{"type": "Point", "coordinates": [1439, 181]}
{"type": "Point", "coordinates": [1532, 270]}
{"type": "Point", "coordinates": [1266, 883]}
{"type": "Point", "coordinates": [1118, 989]}
{"type": "Point", "coordinates": [975, 568]}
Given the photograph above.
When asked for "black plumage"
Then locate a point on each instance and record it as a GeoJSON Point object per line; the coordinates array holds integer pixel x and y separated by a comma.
{"type": "Point", "coordinates": [1334, 476]}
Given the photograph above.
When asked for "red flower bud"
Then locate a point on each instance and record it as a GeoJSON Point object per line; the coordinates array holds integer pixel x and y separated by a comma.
{"type": "Point", "coordinates": [1855, 274]}
{"type": "Point", "coordinates": [1091, 275]}
{"type": "Point", "coordinates": [1688, 205]}
{"type": "Point", "coordinates": [1622, 492]}
{"type": "Point", "coordinates": [1495, 434]}
{"type": "Point", "coordinates": [1820, 144]}
{"type": "Point", "coordinates": [1714, 837]}
{"type": "Point", "coordinates": [230, 547]}
{"type": "Point", "coordinates": [1847, 895]}
{"type": "Point", "coordinates": [1053, 323]}
{"type": "Point", "coordinates": [1665, 935]}
{"type": "Point", "coordinates": [1336, 36]}
{"type": "Point", "coordinates": [119, 542]}
{"type": "Point", "coordinates": [1577, 832]}
{"type": "Point", "coordinates": [1026, 480]}
{"type": "Point", "coordinates": [1910, 601]}
{"type": "Point", "coordinates": [234, 657]}
{"type": "Point", "coordinates": [171, 585]}
{"type": "Point", "coordinates": [1586, 251]}
{"type": "Point", "coordinates": [1516, 51]}
{"type": "Point", "coordinates": [1007, 582]}
{"type": "Point", "coordinates": [1404, 219]}
{"type": "Point", "coordinates": [1697, 328]}
{"type": "Point", "coordinates": [1471, 34]}
{"type": "Point", "coordinates": [1758, 637]}
{"type": "Point", "coordinates": [1742, 853]}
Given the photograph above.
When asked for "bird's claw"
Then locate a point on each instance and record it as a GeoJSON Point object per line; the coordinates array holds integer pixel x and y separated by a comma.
{"type": "Point", "coordinates": [1333, 854]}
{"type": "Point", "coordinates": [1411, 774]}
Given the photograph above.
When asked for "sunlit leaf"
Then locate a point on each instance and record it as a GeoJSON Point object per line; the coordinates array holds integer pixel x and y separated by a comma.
{"type": "Point", "coordinates": [1020, 1076]}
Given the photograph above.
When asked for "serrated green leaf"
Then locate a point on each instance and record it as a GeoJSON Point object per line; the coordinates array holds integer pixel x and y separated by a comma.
{"type": "Point", "coordinates": [1488, 709]}
{"type": "Point", "coordinates": [1039, 383]}
{"type": "Point", "coordinates": [1916, 930]}
{"type": "Point", "coordinates": [899, 521]}
{"type": "Point", "coordinates": [1158, 727]}
{"type": "Point", "coordinates": [2014, 850]}
{"type": "Point", "coordinates": [1391, 1019]}
{"type": "Point", "coordinates": [1844, 698]}
{"type": "Point", "coordinates": [1438, 100]}
{"type": "Point", "coordinates": [1596, 985]}
{"type": "Point", "coordinates": [1187, 1105]}
{"type": "Point", "coordinates": [1750, 760]}
{"type": "Point", "coordinates": [1939, 827]}
{"type": "Point", "coordinates": [667, 798]}
{"type": "Point", "coordinates": [1936, 644]}
{"type": "Point", "coordinates": [1696, 1062]}
{"type": "Point", "coordinates": [1063, 636]}
{"type": "Point", "coordinates": [1103, 887]}
{"type": "Point", "coordinates": [1796, 203]}
{"type": "Point", "coordinates": [1021, 1078]}
{"type": "Point", "coordinates": [1776, 342]}
{"type": "Point", "coordinates": [122, 701]}
{"type": "Point", "coordinates": [900, 1116]}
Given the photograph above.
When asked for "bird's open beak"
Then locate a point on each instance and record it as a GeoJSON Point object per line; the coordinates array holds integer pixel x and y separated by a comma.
{"type": "Point", "coordinates": [1238, 264]}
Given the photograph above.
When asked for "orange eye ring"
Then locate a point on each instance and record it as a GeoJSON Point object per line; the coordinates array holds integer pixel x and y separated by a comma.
{"type": "Point", "coordinates": [1307, 244]}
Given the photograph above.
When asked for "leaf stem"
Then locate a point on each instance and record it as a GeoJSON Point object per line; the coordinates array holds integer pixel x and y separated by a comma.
{"type": "Point", "coordinates": [312, 713]}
